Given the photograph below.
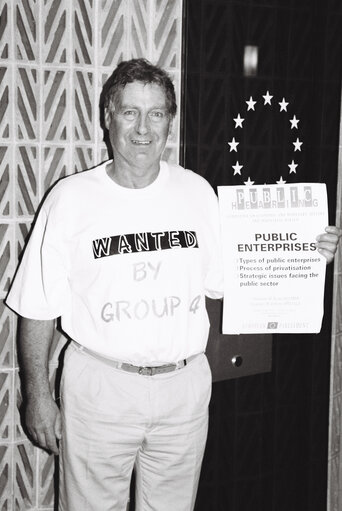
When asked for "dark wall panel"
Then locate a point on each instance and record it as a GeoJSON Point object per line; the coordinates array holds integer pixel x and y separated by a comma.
{"type": "Point", "coordinates": [267, 444]}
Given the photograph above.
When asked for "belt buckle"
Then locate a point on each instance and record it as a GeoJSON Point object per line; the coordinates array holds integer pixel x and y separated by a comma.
{"type": "Point", "coordinates": [146, 371]}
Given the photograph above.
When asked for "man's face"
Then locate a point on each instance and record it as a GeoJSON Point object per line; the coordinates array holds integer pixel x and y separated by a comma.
{"type": "Point", "coordinates": [139, 125]}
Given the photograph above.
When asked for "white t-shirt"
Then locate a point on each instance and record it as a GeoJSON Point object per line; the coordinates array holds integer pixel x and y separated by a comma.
{"type": "Point", "coordinates": [126, 269]}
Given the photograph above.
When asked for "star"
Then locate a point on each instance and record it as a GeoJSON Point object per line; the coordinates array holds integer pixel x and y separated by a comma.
{"type": "Point", "coordinates": [294, 122]}
{"type": "Point", "coordinates": [249, 182]}
{"type": "Point", "coordinates": [281, 181]}
{"type": "Point", "coordinates": [267, 98]}
{"type": "Point", "coordinates": [293, 167]}
{"type": "Point", "coordinates": [238, 121]}
{"type": "Point", "coordinates": [237, 168]}
{"type": "Point", "coordinates": [250, 103]}
{"type": "Point", "coordinates": [233, 145]}
{"type": "Point", "coordinates": [297, 145]}
{"type": "Point", "coordinates": [283, 105]}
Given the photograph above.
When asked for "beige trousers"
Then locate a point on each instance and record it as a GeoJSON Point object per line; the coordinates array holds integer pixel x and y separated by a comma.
{"type": "Point", "coordinates": [114, 420]}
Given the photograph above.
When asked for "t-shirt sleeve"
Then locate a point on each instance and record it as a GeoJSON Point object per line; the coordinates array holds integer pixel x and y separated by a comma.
{"type": "Point", "coordinates": [40, 289]}
{"type": "Point", "coordinates": [214, 275]}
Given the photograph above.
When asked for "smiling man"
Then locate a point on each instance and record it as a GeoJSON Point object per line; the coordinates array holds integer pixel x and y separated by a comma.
{"type": "Point", "coordinates": [138, 121]}
{"type": "Point", "coordinates": [125, 254]}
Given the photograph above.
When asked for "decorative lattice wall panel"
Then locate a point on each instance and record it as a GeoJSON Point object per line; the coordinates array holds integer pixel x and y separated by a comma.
{"type": "Point", "coordinates": [54, 59]}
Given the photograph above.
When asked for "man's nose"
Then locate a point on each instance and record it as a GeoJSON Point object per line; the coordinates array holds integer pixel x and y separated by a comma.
{"type": "Point", "coordinates": [142, 125]}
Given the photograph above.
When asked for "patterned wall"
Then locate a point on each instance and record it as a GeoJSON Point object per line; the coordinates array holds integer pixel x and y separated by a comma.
{"type": "Point", "coordinates": [55, 56]}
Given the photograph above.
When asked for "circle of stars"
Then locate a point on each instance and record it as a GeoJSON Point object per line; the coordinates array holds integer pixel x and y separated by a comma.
{"type": "Point", "coordinates": [233, 144]}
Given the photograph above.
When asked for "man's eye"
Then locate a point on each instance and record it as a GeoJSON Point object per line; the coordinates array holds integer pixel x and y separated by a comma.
{"type": "Point", "coordinates": [129, 113]}
{"type": "Point", "coordinates": [157, 114]}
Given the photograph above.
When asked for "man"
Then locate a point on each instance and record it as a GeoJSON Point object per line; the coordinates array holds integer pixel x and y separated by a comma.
{"type": "Point", "coordinates": [125, 254]}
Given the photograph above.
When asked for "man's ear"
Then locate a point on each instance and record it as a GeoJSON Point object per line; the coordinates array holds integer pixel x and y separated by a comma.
{"type": "Point", "coordinates": [170, 127]}
{"type": "Point", "coordinates": [107, 117]}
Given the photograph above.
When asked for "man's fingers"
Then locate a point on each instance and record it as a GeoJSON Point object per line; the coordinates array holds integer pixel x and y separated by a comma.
{"type": "Point", "coordinates": [58, 427]}
{"type": "Point", "coordinates": [326, 245]}
{"type": "Point", "coordinates": [328, 237]}
{"type": "Point", "coordinates": [329, 256]}
{"type": "Point", "coordinates": [327, 242]}
{"type": "Point", "coordinates": [51, 442]}
{"type": "Point", "coordinates": [33, 436]}
{"type": "Point", "coordinates": [334, 230]}
{"type": "Point", "coordinates": [46, 439]}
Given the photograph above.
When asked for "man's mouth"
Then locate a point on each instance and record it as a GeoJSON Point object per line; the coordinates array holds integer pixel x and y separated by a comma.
{"type": "Point", "coordinates": [141, 142]}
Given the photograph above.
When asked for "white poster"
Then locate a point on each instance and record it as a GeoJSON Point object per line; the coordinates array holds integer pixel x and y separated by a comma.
{"type": "Point", "coordinates": [274, 276]}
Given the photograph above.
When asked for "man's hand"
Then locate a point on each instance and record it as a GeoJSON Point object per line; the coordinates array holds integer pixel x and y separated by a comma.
{"type": "Point", "coordinates": [43, 422]}
{"type": "Point", "coordinates": [328, 241]}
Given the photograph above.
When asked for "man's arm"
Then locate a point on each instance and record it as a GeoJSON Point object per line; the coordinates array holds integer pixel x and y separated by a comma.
{"type": "Point", "coordinates": [42, 414]}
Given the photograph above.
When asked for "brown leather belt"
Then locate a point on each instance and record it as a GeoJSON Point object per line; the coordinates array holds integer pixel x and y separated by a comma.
{"type": "Point", "coordinates": [143, 370]}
